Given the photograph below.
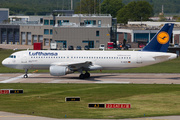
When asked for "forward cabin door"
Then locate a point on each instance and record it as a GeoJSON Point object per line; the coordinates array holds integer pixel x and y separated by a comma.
{"type": "Point", "coordinates": [139, 58]}
{"type": "Point", "coordinates": [24, 58]}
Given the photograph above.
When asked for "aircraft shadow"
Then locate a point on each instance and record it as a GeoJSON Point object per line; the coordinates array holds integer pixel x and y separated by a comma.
{"type": "Point", "coordinates": [92, 78]}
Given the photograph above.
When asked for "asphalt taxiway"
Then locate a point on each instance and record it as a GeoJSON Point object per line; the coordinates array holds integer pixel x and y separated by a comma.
{"type": "Point", "coordinates": [13, 116]}
{"type": "Point", "coordinates": [95, 78]}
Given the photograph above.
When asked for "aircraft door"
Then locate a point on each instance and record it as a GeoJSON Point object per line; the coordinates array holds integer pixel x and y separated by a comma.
{"type": "Point", "coordinates": [139, 58]}
{"type": "Point", "coordinates": [24, 58]}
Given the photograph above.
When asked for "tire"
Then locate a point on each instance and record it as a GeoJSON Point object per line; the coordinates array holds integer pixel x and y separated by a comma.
{"type": "Point", "coordinates": [81, 76]}
{"type": "Point", "coordinates": [87, 75]}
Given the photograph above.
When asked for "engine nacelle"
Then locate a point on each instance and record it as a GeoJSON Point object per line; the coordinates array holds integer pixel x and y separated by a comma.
{"type": "Point", "coordinates": [59, 70]}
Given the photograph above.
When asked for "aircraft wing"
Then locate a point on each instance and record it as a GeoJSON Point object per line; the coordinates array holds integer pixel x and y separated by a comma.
{"type": "Point", "coordinates": [74, 65]}
{"type": "Point", "coordinates": [85, 65]}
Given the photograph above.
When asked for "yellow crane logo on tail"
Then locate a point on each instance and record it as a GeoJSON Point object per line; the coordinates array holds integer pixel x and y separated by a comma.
{"type": "Point", "coordinates": [163, 37]}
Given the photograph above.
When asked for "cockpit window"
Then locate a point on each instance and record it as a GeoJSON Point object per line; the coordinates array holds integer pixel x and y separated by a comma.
{"type": "Point", "coordinates": [12, 56]}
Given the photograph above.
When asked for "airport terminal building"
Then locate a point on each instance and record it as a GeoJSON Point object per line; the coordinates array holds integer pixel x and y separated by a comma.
{"type": "Point", "coordinates": [68, 28]}
{"type": "Point", "coordinates": [74, 29]}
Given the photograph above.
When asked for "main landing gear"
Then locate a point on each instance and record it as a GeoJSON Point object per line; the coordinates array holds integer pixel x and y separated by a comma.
{"type": "Point", "coordinates": [26, 76]}
{"type": "Point", "coordinates": [86, 75]}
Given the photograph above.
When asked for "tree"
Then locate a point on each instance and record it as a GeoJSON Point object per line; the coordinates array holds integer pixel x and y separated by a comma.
{"type": "Point", "coordinates": [111, 7]}
{"type": "Point", "coordinates": [162, 18]}
{"type": "Point", "coordinates": [178, 19]}
{"type": "Point", "coordinates": [87, 7]}
{"type": "Point", "coordinates": [136, 11]}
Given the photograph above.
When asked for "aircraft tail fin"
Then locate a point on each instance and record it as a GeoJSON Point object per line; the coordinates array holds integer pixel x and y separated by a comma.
{"type": "Point", "coordinates": [160, 42]}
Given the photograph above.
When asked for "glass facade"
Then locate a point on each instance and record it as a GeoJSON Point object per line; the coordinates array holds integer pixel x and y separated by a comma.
{"type": "Point", "coordinates": [141, 37]}
{"type": "Point", "coordinates": [113, 33]}
{"type": "Point", "coordinates": [63, 43]}
{"type": "Point", "coordinates": [90, 43]}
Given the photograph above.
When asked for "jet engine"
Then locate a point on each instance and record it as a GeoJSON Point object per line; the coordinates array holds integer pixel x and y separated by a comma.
{"type": "Point", "coordinates": [59, 70]}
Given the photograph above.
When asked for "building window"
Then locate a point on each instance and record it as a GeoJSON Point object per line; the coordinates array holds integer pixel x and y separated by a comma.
{"type": "Point", "coordinates": [59, 23]}
{"type": "Point", "coordinates": [51, 22]}
{"type": "Point", "coordinates": [51, 31]}
{"type": "Point", "coordinates": [97, 33]}
{"type": "Point", "coordinates": [94, 22]}
{"type": "Point", "coordinates": [46, 31]}
{"type": "Point", "coordinates": [46, 22]}
{"type": "Point", "coordinates": [99, 23]}
{"type": "Point", "coordinates": [66, 21]}
{"type": "Point", "coordinates": [41, 20]}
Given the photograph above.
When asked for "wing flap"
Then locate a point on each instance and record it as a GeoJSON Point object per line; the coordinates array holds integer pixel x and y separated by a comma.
{"type": "Point", "coordinates": [74, 65]}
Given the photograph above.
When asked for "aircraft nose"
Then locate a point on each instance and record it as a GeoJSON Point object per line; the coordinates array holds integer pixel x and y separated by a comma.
{"type": "Point", "coordinates": [4, 62]}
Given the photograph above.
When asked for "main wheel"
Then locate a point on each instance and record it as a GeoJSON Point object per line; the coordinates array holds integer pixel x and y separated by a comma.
{"type": "Point", "coordinates": [87, 75]}
{"type": "Point", "coordinates": [25, 76]}
{"type": "Point", "coordinates": [81, 76]}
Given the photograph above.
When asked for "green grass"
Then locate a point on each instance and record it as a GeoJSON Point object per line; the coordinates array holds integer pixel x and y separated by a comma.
{"type": "Point", "coordinates": [49, 100]}
{"type": "Point", "coordinates": [172, 66]}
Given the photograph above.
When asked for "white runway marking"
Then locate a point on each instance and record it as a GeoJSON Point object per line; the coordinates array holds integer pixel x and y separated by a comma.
{"type": "Point", "coordinates": [12, 79]}
{"type": "Point", "coordinates": [112, 82]}
{"type": "Point", "coordinates": [55, 81]}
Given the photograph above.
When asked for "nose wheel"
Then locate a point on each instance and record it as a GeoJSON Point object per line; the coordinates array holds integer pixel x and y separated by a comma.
{"type": "Point", "coordinates": [26, 76]}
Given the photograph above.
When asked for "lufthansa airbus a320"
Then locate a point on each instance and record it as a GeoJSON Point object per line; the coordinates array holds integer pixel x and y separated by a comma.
{"type": "Point", "coordinates": [64, 62]}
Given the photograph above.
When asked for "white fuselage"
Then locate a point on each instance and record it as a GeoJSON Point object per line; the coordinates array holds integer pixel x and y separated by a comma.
{"type": "Point", "coordinates": [112, 60]}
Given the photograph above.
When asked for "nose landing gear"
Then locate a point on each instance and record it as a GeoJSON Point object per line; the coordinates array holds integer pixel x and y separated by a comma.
{"type": "Point", "coordinates": [26, 76]}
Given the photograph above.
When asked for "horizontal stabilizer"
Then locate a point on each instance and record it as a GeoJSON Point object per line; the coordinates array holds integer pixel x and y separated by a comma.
{"type": "Point", "coordinates": [162, 57]}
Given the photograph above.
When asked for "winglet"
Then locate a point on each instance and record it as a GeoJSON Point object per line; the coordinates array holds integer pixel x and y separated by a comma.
{"type": "Point", "coordinates": [160, 42]}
